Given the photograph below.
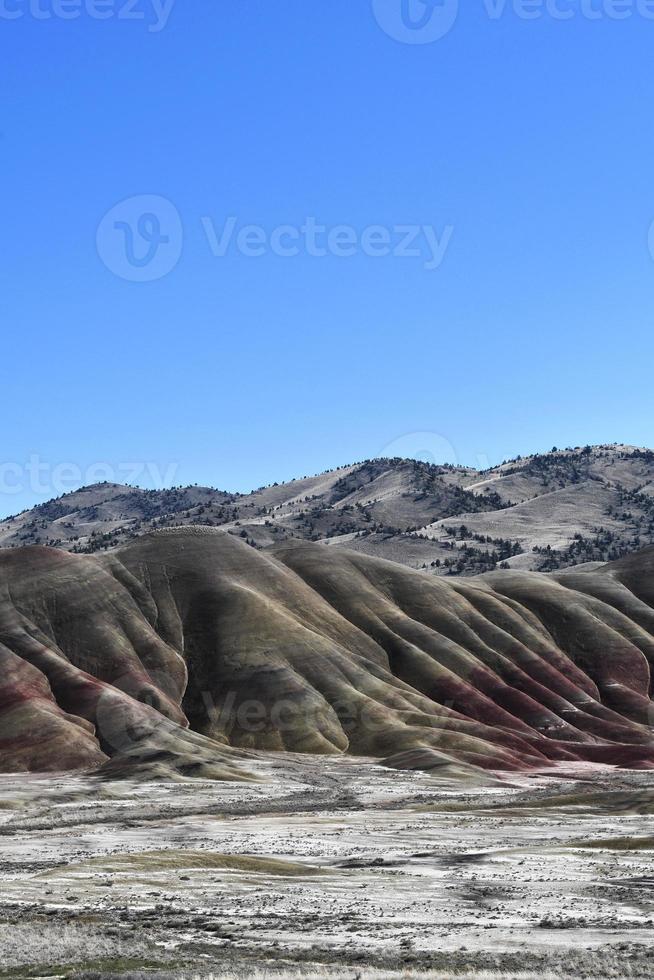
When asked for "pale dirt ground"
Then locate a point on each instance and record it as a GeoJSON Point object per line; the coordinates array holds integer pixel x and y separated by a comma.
{"type": "Point", "coordinates": [382, 874]}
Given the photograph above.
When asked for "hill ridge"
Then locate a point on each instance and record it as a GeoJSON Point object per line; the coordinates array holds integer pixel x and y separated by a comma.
{"type": "Point", "coordinates": [540, 512]}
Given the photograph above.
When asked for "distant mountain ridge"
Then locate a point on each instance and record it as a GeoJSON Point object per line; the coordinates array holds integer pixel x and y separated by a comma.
{"type": "Point", "coordinates": [542, 512]}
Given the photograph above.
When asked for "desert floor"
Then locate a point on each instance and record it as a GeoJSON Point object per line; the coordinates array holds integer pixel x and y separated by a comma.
{"type": "Point", "coordinates": [333, 867]}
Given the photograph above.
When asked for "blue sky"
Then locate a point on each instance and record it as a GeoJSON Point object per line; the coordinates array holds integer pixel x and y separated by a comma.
{"type": "Point", "coordinates": [523, 146]}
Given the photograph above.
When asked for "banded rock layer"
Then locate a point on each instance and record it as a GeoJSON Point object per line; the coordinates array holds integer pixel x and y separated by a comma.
{"type": "Point", "coordinates": [186, 648]}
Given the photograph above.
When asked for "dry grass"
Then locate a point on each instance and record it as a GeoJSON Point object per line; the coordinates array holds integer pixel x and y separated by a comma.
{"type": "Point", "coordinates": [601, 967]}
{"type": "Point", "coordinates": [47, 946]}
{"type": "Point", "coordinates": [181, 860]}
{"type": "Point", "coordinates": [616, 844]}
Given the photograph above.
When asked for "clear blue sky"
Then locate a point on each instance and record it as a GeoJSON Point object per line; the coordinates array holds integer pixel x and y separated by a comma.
{"type": "Point", "coordinates": [531, 140]}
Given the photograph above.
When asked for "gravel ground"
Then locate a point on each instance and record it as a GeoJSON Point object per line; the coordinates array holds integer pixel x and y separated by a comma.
{"type": "Point", "coordinates": [332, 867]}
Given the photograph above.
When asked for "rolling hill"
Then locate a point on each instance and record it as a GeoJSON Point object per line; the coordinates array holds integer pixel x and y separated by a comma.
{"type": "Point", "coordinates": [543, 512]}
{"type": "Point", "coordinates": [186, 649]}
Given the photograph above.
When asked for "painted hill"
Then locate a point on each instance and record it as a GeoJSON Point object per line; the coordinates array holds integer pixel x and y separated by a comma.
{"type": "Point", "coordinates": [541, 512]}
{"type": "Point", "coordinates": [185, 649]}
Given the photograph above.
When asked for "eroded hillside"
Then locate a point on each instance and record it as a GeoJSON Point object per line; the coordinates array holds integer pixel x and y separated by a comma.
{"type": "Point", "coordinates": [186, 648]}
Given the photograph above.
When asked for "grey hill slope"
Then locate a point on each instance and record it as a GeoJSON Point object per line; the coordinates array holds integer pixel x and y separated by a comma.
{"type": "Point", "coordinates": [544, 512]}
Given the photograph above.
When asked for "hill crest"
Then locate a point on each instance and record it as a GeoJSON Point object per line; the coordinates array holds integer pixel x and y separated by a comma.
{"type": "Point", "coordinates": [540, 512]}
